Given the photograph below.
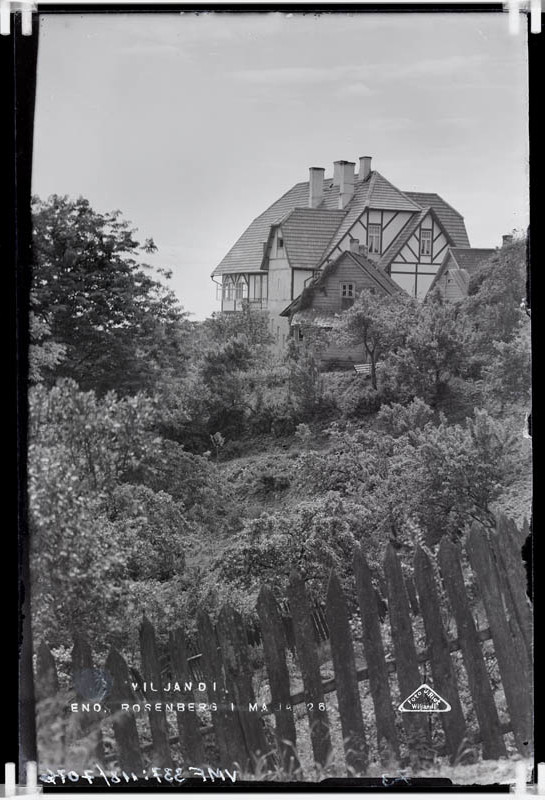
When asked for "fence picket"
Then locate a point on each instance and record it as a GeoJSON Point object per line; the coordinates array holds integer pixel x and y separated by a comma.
{"type": "Point", "coordinates": [124, 723]}
{"type": "Point", "coordinates": [344, 664]}
{"type": "Point", "coordinates": [310, 669]}
{"type": "Point", "coordinates": [408, 673]}
{"type": "Point", "coordinates": [508, 552]}
{"type": "Point", "coordinates": [274, 649]}
{"type": "Point", "coordinates": [82, 670]}
{"type": "Point", "coordinates": [238, 674]}
{"type": "Point", "coordinates": [511, 666]}
{"type": "Point", "coordinates": [441, 664]}
{"type": "Point", "coordinates": [477, 675]}
{"type": "Point", "coordinates": [226, 726]}
{"type": "Point", "coordinates": [379, 685]}
{"type": "Point", "coordinates": [191, 743]}
{"type": "Point", "coordinates": [151, 672]}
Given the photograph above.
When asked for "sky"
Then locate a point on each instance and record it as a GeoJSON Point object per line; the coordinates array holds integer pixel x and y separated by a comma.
{"type": "Point", "coordinates": [193, 124]}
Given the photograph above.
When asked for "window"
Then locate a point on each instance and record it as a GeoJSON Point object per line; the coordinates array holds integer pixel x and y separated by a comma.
{"type": "Point", "coordinates": [373, 238]}
{"type": "Point", "coordinates": [347, 294]}
{"type": "Point", "coordinates": [280, 245]}
{"type": "Point", "coordinates": [425, 242]}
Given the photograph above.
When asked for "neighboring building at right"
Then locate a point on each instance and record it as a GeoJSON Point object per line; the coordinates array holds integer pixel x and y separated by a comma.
{"type": "Point", "coordinates": [459, 264]}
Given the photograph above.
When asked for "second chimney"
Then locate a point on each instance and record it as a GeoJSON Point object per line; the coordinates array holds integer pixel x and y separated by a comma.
{"type": "Point", "coordinates": [316, 186]}
{"type": "Point", "coordinates": [346, 182]}
{"type": "Point", "coordinates": [365, 167]}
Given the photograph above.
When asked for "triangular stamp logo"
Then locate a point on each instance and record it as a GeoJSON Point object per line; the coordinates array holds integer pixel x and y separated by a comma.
{"type": "Point", "coordinates": [424, 699]}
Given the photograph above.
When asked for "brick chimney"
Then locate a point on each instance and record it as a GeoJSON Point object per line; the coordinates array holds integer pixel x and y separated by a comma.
{"type": "Point", "coordinates": [346, 182]}
{"type": "Point", "coordinates": [354, 245]}
{"type": "Point", "coordinates": [316, 186]}
{"type": "Point", "coordinates": [365, 168]}
{"type": "Point", "coordinates": [507, 238]}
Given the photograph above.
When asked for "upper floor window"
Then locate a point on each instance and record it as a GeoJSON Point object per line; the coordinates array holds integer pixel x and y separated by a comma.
{"type": "Point", "coordinates": [373, 238]}
{"type": "Point", "coordinates": [280, 244]}
{"type": "Point", "coordinates": [425, 242]}
{"type": "Point", "coordinates": [347, 290]}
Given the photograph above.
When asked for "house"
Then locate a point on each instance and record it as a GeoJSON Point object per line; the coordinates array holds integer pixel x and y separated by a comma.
{"type": "Point", "coordinates": [332, 291]}
{"type": "Point", "coordinates": [406, 236]}
{"type": "Point", "coordinates": [452, 279]}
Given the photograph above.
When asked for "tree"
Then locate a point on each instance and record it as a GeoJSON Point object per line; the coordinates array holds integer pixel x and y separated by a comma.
{"type": "Point", "coordinates": [379, 322]}
{"type": "Point", "coordinates": [118, 325]}
{"type": "Point", "coordinates": [435, 350]}
{"type": "Point", "coordinates": [249, 322]}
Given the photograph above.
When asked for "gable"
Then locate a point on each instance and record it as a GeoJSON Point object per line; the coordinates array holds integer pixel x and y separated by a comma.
{"type": "Point", "coordinates": [307, 232]}
{"type": "Point", "coordinates": [324, 293]}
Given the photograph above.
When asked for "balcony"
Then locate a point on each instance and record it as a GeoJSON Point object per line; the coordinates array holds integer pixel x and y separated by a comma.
{"type": "Point", "coordinates": [238, 305]}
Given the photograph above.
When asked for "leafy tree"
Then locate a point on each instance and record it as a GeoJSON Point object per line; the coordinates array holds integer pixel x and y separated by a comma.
{"type": "Point", "coordinates": [249, 322]}
{"type": "Point", "coordinates": [434, 352]}
{"type": "Point", "coordinates": [118, 325]}
{"type": "Point", "coordinates": [379, 322]}
{"type": "Point", "coordinates": [104, 525]}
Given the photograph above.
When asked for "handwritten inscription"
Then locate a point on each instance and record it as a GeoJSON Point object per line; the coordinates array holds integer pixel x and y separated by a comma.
{"type": "Point", "coordinates": [155, 774]}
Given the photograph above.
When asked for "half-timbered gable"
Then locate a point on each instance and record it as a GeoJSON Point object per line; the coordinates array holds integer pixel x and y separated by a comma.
{"type": "Point", "coordinates": [406, 235]}
{"type": "Point", "coordinates": [415, 256]}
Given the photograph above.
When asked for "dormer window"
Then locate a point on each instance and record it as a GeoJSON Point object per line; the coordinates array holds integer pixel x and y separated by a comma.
{"type": "Point", "coordinates": [425, 242]}
{"type": "Point", "coordinates": [373, 238]}
{"type": "Point", "coordinates": [280, 244]}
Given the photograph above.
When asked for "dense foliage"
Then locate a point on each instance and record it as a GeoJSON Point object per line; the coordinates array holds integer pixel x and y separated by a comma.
{"type": "Point", "coordinates": [176, 466]}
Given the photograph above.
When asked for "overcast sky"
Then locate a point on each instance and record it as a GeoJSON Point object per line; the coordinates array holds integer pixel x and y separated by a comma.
{"type": "Point", "coordinates": [192, 124]}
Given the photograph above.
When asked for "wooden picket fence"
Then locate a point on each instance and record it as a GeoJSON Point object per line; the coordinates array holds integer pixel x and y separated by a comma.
{"type": "Point", "coordinates": [235, 737]}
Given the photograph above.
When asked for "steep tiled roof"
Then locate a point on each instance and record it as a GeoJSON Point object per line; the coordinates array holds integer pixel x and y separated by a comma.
{"type": "Point", "coordinates": [246, 255]}
{"type": "Point", "coordinates": [468, 259]}
{"type": "Point", "coordinates": [307, 232]}
{"type": "Point", "coordinates": [448, 216]}
{"type": "Point", "coordinates": [384, 195]}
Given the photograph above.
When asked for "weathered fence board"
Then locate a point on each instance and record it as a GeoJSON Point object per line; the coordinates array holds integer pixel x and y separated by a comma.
{"type": "Point", "coordinates": [344, 664]}
{"type": "Point", "coordinates": [151, 672]}
{"type": "Point", "coordinates": [444, 678]}
{"type": "Point", "coordinates": [274, 649]}
{"type": "Point", "coordinates": [408, 673]}
{"type": "Point", "coordinates": [124, 723]}
{"type": "Point", "coordinates": [310, 669]}
{"type": "Point", "coordinates": [512, 667]}
{"type": "Point", "coordinates": [508, 552]}
{"type": "Point", "coordinates": [238, 675]}
{"type": "Point", "coordinates": [191, 743]}
{"type": "Point", "coordinates": [228, 741]}
{"type": "Point", "coordinates": [379, 685]}
{"type": "Point", "coordinates": [82, 675]}
{"type": "Point", "coordinates": [477, 675]}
